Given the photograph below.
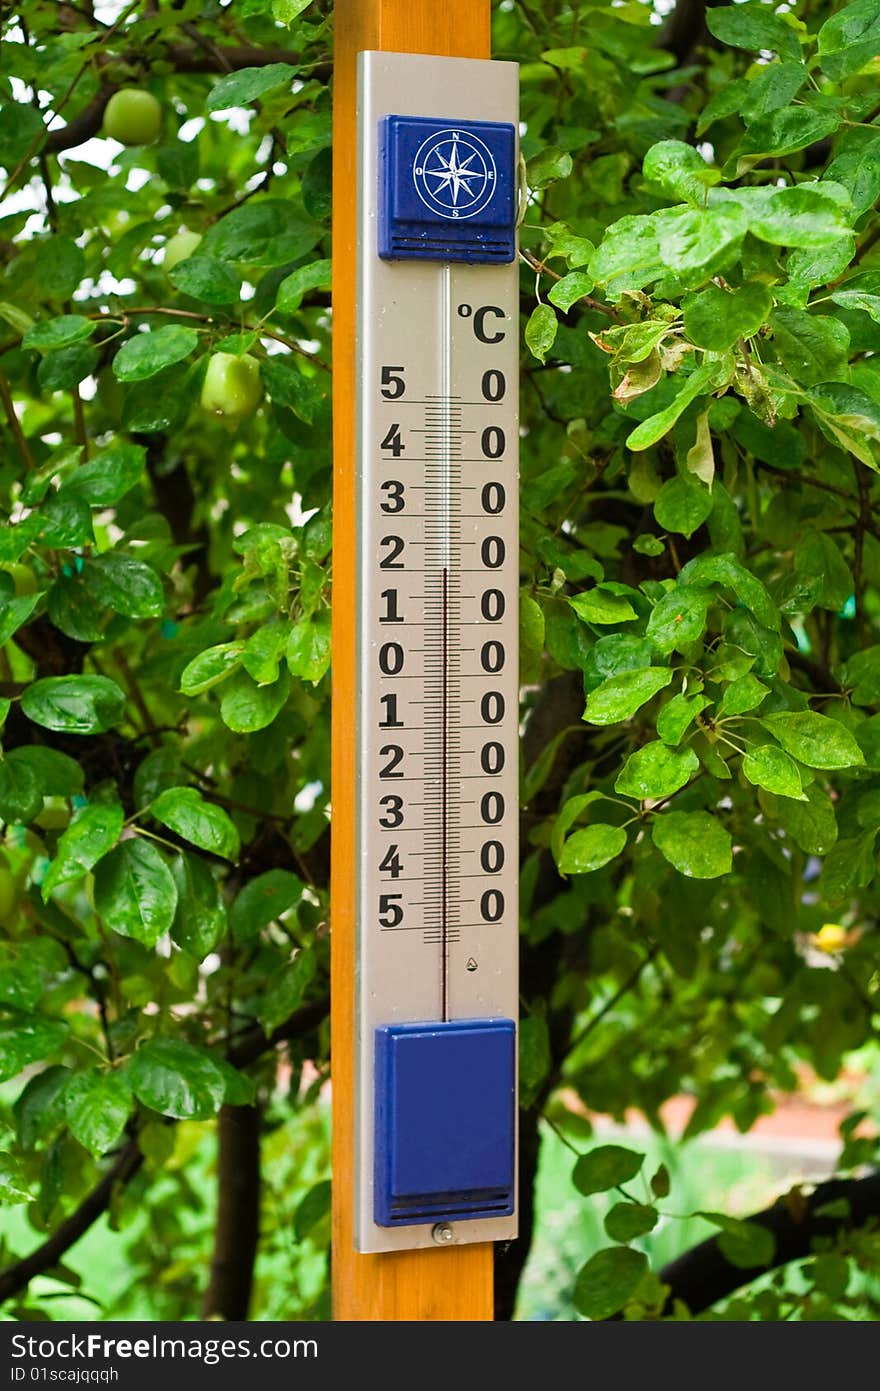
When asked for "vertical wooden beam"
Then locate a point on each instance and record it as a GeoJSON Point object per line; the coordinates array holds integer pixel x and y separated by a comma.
{"type": "Point", "coordinates": [452, 1282]}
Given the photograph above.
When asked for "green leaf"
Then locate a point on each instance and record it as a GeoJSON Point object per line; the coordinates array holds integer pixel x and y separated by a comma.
{"type": "Point", "coordinates": [660, 1184]}
{"type": "Point", "coordinates": [601, 606]}
{"type": "Point", "coordinates": [850, 865]}
{"type": "Point", "coordinates": [308, 647]}
{"type": "Point", "coordinates": [769, 767]}
{"type": "Point", "coordinates": [754, 26]}
{"type": "Point", "coordinates": [679, 171]}
{"type": "Point", "coordinates": [110, 474]}
{"type": "Point", "coordinates": [312, 1209]}
{"type": "Point", "coordinates": [858, 299]}
{"type": "Point", "coordinates": [74, 704]}
{"type": "Point", "coordinates": [541, 331]}
{"type": "Point", "coordinates": [135, 892]}
{"type": "Point", "coordinates": [811, 347]}
{"type": "Point", "coordinates": [783, 133]}
{"type": "Point", "coordinates": [814, 739]}
{"type": "Point", "coordinates": [694, 843]}
{"type": "Point", "coordinates": [856, 165]}
{"type": "Point", "coordinates": [626, 1221]}
{"type": "Point", "coordinates": [682, 505]}
{"type": "Point", "coordinates": [126, 585]}
{"type": "Point", "coordinates": [200, 919]}
{"type": "Point", "coordinates": [821, 573]}
{"type": "Point", "coordinates": [812, 824]}
{"type": "Point", "coordinates": [59, 371]}
{"type": "Point", "coordinates": [177, 1079]}
{"type": "Point", "coordinates": [772, 88]}
{"type": "Point", "coordinates": [535, 1056]}
{"type": "Point", "coordinates": [247, 707]}
{"type": "Point", "coordinates": [145, 354]}
{"type": "Point", "coordinates": [39, 1109]}
{"type": "Point", "coordinates": [15, 612]}
{"type": "Point", "coordinates": [20, 794]}
{"type": "Point", "coordinates": [656, 771]}
{"type": "Point", "coordinates": [184, 810]}
{"type": "Point", "coordinates": [745, 693]}
{"type": "Point", "coordinates": [56, 774]}
{"type": "Point", "coordinates": [849, 39]}
{"type": "Point", "coordinates": [98, 1105]}
{"type": "Point", "coordinates": [730, 573]}
{"type": "Point", "coordinates": [568, 815]}
{"type": "Point", "coordinates": [717, 319]}
{"type": "Point", "coordinates": [677, 714]}
{"type": "Point", "coordinates": [289, 387]}
{"type": "Point", "coordinates": [591, 848]}
{"type": "Point", "coordinates": [567, 291]}
{"type": "Point", "coordinates": [656, 426]}
{"type": "Point", "coordinates": [286, 11]}
{"type": "Point", "coordinates": [548, 166]}
{"type": "Point", "coordinates": [744, 1244]}
{"type": "Point", "coordinates": [205, 279]}
{"type": "Point", "coordinates": [316, 188]}
{"type": "Point", "coordinates": [14, 1187]}
{"type": "Point", "coordinates": [210, 667]}
{"type": "Point", "coordinates": [604, 1168]}
{"type": "Point", "coordinates": [628, 257]}
{"type": "Point", "coordinates": [265, 232]}
{"type": "Point", "coordinates": [247, 84]}
{"type": "Point", "coordinates": [262, 901]}
{"type": "Point", "coordinates": [699, 239]}
{"type": "Point", "coordinates": [65, 520]}
{"type": "Point", "coordinates": [27, 1042]}
{"type": "Point", "coordinates": [93, 831]}
{"type": "Point", "coordinates": [15, 317]}
{"type": "Point", "coordinates": [608, 1281]}
{"type": "Point", "coordinates": [678, 619]}
{"type": "Point", "coordinates": [58, 333]}
{"type": "Point", "coordinates": [620, 696]}
{"type": "Point", "coordinates": [285, 993]}
{"type": "Point", "coordinates": [315, 276]}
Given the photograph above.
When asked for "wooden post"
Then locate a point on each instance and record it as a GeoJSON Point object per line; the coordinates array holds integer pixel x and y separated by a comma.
{"type": "Point", "coordinates": [452, 1282]}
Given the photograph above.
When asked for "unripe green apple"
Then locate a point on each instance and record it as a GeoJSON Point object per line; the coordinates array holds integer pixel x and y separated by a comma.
{"type": "Point", "coordinates": [8, 895]}
{"type": "Point", "coordinates": [232, 385]}
{"type": "Point", "coordinates": [133, 117]}
{"type": "Point", "coordinates": [23, 577]}
{"type": "Point", "coordinates": [180, 247]}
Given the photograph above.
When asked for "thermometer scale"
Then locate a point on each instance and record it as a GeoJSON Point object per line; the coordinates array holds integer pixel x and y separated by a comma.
{"type": "Point", "coordinates": [437, 707]}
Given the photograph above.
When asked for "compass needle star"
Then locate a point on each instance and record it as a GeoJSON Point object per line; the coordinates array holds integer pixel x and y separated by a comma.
{"type": "Point", "coordinates": [457, 178]}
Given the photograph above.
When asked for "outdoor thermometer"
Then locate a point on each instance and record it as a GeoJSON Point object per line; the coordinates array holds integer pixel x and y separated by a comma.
{"type": "Point", "coordinates": [437, 722]}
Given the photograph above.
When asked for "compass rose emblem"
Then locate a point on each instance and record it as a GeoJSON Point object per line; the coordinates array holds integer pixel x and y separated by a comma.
{"type": "Point", "coordinates": [454, 174]}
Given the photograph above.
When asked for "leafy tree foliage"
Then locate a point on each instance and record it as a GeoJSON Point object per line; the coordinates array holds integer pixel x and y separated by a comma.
{"type": "Point", "coordinates": [700, 606]}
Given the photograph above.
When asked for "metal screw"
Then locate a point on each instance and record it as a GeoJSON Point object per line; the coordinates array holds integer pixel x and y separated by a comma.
{"type": "Point", "coordinates": [442, 1233]}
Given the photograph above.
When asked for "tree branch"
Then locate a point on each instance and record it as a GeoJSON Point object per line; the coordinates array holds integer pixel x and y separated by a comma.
{"type": "Point", "coordinates": [128, 1161]}
{"type": "Point", "coordinates": [185, 58]}
{"type": "Point", "coordinates": [702, 1276]}
{"type": "Point", "coordinates": [17, 1277]}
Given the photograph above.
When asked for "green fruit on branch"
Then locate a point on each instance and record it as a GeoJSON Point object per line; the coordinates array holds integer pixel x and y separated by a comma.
{"type": "Point", "coordinates": [232, 385]}
{"type": "Point", "coordinates": [133, 117]}
{"type": "Point", "coordinates": [180, 247]}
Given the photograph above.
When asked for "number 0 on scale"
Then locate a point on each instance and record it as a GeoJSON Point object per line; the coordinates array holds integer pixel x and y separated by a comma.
{"type": "Point", "coordinates": [437, 741]}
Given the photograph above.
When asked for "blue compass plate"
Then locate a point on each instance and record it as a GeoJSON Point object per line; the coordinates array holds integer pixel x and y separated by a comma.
{"type": "Point", "coordinates": [447, 190]}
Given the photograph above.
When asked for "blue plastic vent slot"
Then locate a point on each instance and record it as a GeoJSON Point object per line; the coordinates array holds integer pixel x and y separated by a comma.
{"type": "Point", "coordinates": [447, 190]}
{"type": "Point", "coordinates": [445, 1121]}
